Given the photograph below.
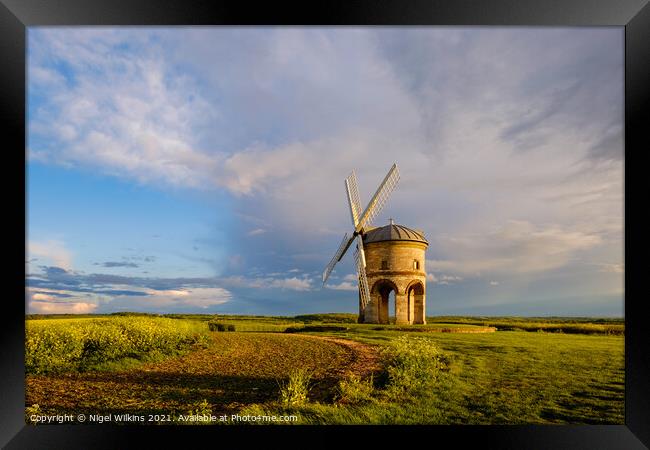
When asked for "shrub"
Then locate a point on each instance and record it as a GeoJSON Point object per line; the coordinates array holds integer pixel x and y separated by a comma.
{"type": "Point", "coordinates": [294, 392]}
{"type": "Point", "coordinates": [231, 328]}
{"type": "Point", "coordinates": [328, 318]}
{"type": "Point", "coordinates": [30, 411]}
{"type": "Point", "coordinates": [412, 363]}
{"type": "Point", "coordinates": [354, 389]}
{"type": "Point", "coordinates": [201, 408]}
{"type": "Point", "coordinates": [216, 326]}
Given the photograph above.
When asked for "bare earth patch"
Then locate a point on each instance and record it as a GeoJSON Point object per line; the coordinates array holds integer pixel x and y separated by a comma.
{"type": "Point", "coordinates": [235, 370]}
{"type": "Point", "coordinates": [365, 357]}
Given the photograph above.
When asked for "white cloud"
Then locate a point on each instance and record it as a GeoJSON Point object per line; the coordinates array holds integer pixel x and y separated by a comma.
{"type": "Point", "coordinates": [58, 301]}
{"type": "Point", "coordinates": [43, 76]}
{"type": "Point", "coordinates": [256, 231]}
{"type": "Point", "coordinates": [494, 283]}
{"type": "Point", "coordinates": [197, 297]}
{"type": "Point", "coordinates": [443, 278]}
{"type": "Point", "coordinates": [343, 286]}
{"type": "Point", "coordinates": [123, 113]}
{"type": "Point", "coordinates": [294, 284]}
{"type": "Point", "coordinates": [63, 307]}
{"type": "Point", "coordinates": [516, 247]}
{"type": "Point", "coordinates": [612, 268]}
{"type": "Point", "coordinates": [253, 170]}
{"type": "Point", "coordinates": [268, 282]}
{"type": "Point", "coordinates": [450, 278]}
{"type": "Point", "coordinates": [52, 252]}
{"type": "Point", "coordinates": [54, 301]}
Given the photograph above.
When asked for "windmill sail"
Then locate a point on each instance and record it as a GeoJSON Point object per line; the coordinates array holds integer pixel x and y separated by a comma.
{"type": "Point", "coordinates": [379, 199]}
{"type": "Point", "coordinates": [345, 244]}
{"type": "Point", "coordinates": [360, 258]}
{"type": "Point", "coordinates": [352, 188]}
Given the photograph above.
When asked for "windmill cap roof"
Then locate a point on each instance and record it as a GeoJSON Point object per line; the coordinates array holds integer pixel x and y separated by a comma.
{"type": "Point", "coordinates": [394, 232]}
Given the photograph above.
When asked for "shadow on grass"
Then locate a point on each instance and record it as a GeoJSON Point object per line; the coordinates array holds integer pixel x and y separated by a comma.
{"type": "Point", "coordinates": [92, 393]}
{"type": "Point", "coordinates": [591, 410]}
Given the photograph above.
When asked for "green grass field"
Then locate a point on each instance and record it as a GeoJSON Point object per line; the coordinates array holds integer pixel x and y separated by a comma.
{"type": "Point", "coordinates": [509, 377]}
{"type": "Point", "coordinates": [528, 371]}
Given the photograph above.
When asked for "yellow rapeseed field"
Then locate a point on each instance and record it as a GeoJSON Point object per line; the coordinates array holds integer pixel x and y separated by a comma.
{"type": "Point", "coordinates": [72, 344]}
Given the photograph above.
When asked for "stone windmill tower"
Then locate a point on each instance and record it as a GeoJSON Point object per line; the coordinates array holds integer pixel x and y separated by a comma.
{"type": "Point", "coordinates": [388, 258]}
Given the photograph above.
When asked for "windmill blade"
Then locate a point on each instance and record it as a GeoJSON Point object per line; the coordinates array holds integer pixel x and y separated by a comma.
{"type": "Point", "coordinates": [360, 257]}
{"type": "Point", "coordinates": [352, 188]}
{"type": "Point", "coordinates": [379, 199]}
{"type": "Point", "coordinates": [343, 247]}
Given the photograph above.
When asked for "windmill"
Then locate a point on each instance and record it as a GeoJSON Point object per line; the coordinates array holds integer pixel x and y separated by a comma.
{"type": "Point", "coordinates": [361, 221]}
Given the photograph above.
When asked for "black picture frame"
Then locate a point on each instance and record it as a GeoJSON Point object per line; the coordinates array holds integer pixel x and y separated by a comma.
{"type": "Point", "coordinates": [16, 15]}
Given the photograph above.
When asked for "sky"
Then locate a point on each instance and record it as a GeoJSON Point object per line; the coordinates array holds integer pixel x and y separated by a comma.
{"type": "Point", "coordinates": [201, 169]}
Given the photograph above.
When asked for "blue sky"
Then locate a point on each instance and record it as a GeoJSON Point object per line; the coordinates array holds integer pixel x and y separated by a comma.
{"type": "Point", "coordinates": [201, 169]}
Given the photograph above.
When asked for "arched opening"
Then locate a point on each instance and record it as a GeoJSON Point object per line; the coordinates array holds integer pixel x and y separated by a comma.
{"type": "Point", "coordinates": [385, 291]}
{"type": "Point", "coordinates": [415, 295]}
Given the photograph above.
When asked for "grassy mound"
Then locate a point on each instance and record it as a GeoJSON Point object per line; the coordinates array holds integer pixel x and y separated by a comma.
{"type": "Point", "coordinates": [315, 328]}
{"type": "Point", "coordinates": [328, 318]}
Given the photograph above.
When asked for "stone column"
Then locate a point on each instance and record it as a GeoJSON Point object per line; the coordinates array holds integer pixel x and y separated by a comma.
{"type": "Point", "coordinates": [419, 309]}
{"type": "Point", "coordinates": [401, 315]}
{"type": "Point", "coordinates": [371, 313]}
{"type": "Point", "coordinates": [424, 307]}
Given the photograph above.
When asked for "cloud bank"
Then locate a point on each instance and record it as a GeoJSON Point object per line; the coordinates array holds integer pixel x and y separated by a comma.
{"type": "Point", "coordinates": [509, 141]}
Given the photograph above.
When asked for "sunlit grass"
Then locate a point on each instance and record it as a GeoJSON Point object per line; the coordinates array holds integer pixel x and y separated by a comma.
{"type": "Point", "coordinates": [502, 377]}
{"type": "Point", "coordinates": [509, 377]}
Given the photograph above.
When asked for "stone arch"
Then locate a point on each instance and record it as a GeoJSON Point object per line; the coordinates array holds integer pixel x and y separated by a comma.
{"type": "Point", "coordinates": [415, 302]}
{"type": "Point", "coordinates": [380, 292]}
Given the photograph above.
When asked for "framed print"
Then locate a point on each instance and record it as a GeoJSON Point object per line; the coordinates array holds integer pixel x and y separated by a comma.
{"type": "Point", "coordinates": [367, 218]}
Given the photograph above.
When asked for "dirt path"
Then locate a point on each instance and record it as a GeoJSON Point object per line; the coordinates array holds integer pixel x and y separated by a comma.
{"type": "Point", "coordinates": [235, 370]}
{"type": "Point", "coordinates": [365, 362]}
